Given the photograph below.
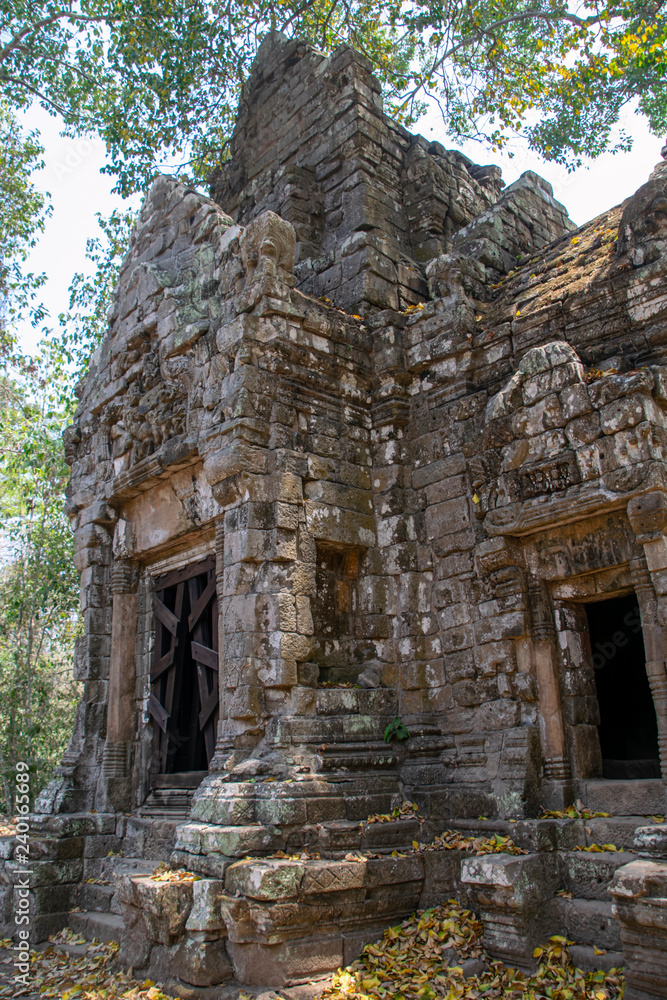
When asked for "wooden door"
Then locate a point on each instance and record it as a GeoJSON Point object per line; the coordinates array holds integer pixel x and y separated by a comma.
{"type": "Point", "coordinates": [183, 702]}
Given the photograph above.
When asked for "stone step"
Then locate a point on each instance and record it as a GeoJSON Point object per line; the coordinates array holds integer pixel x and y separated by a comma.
{"type": "Point", "coordinates": [118, 863]}
{"type": "Point", "coordinates": [356, 701]}
{"type": "Point", "coordinates": [617, 830]}
{"type": "Point", "coordinates": [151, 837]}
{"type": "Point", "coordinates": [644, 797]}
{"type": "Point", "coordinates": [588, 922]}
{"type": "Point", "coordinates": [339, 837]}
{"type": "Point", "coordinates": [97, 926]}
{"type": "Point", "coordinates": [587, 876]}
{"type": "Point", "coordinates": [180, 779]}
{"type": "Point", "coordinates": [339, 729]}
{"type": "Point", "coordinates": [584, 957]}
{"type": "Point", "coordinates": [557, 834]}
{"type": "Point", "coordinates": [168, 803]}
{"type": "Point", "coordinates": [95, 897]}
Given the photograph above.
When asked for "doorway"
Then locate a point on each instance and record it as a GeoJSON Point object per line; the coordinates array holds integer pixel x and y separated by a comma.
{"type": "Point", "coordinates": [628, 728]}
{"type": "Point", "coordinates": [183, 702]}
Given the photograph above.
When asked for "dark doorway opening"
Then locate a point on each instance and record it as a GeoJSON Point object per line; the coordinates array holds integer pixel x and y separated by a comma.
{"type": "Point", "coordinates": [184, 679]}
{"type": "Point", "coordinates": [628, 728]}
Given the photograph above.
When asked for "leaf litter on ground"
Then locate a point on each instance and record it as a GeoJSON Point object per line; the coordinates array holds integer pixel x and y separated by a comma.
{"type": "Point", "coordinates": [435, 954]}
{"type": "Point", "coordinates": [91, 975]}
{"type": "Point", "coordinates": [425, 958]}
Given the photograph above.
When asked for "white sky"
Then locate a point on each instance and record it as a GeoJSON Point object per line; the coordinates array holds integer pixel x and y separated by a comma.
{"type": "Point", "coordinates": [78, 190]}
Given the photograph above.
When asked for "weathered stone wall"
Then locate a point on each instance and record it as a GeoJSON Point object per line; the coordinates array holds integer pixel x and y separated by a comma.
{"type": "Point", "coordinates": [381, 493]}
{"type": "Point", "coordinates": [413, 483]}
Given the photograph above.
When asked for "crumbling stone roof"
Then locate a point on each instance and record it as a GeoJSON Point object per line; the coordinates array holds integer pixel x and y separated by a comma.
{"type": "Point", "coordinates": [371, 204]}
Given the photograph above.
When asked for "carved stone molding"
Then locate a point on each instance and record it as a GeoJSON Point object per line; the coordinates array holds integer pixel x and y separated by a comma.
{"type": "Point", "coordinates": [223, 746]}
{"type": "Point", "coordinates": [654, 646]}
{"type": "Point", "coordinates": [115, 760]}
{"type": "Point", "coordinates": [541, 611]}
{"type": "Point", "coordinates": [124, 577]}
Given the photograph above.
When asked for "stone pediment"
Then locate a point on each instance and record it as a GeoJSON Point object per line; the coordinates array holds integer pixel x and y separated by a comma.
{"type": "Point", "coordinates": [561, 445]}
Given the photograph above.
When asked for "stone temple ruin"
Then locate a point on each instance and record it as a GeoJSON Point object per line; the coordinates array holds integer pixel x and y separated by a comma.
{"type": "Point", "coordinates": [372, 440]}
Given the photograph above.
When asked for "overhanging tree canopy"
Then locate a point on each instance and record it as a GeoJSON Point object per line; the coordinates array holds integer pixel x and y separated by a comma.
{"type": "Point", "coordinates": [160, 78]}
{"type": "Point", "coordinates": [159, 81]}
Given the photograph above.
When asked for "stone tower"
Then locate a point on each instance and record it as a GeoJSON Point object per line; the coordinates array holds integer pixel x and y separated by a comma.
{"type": "Point", "coordinates": [372, 439]}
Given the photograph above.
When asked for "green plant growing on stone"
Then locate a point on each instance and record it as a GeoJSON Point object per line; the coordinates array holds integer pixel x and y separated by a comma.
{"type": "Point", "coordinates": [396, 730]}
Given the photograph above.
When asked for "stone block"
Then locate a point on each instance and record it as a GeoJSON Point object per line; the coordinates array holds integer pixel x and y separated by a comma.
{"type": "Point", "coordinates": [205, 913]}
{"type": "Point", "coordinates": [588, 876]}
{"type": "Point", "coordinates": [501, 714]}
{"type": "Point", "coordinates": [47, 872]}
{"type": "Point", "coordinates": [447, 518]}
{"type": "Point", "coordinates": [265, 880]}
{"type": "Point", "coordinates": [246, 702]}
{"type": "Point", "coordinates": [511, 894]}
{"type": "Point", "coordinates": [223, 804]}
{"type": "Point", "coordinates": [287, 962]}
{"type": "Point", "coordinates": [164, 906]}
{"type": "Point", "coordinates": [332, 876]}
{"type": "Point", "coordinates": [588, 921]}
{"type": "Point", "coordinates": [196, 962]}
{"type": "Point", "coordinates": [639, 893]}
{"type": "Point", "coordinates": [237, 841]}
{"type": "Point", "coordinates": [281, 811]}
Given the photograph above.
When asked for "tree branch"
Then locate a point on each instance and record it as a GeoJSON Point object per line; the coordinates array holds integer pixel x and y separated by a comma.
{"type": "Point", "coordinates": [481, 33]}
{"type": "Point", "coordinates": [32, 29]}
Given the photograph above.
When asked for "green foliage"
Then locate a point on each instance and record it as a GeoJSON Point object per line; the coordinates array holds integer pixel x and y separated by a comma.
{"type": "Point", "coordinates": [24, 209]}
{"type": "Point", "coordinates": [86, 320]}
{"type": "Point", "coordinates": [396, 731]}
{"type": "Point", "coordinates": [160, 79]}
{"type": "Point", "coordinates": [39, 608]}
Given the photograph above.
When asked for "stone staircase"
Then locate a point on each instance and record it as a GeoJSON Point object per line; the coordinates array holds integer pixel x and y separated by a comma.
{"type": "Point", "coordinates": [171, 796]}
{"type": "Point", "coordinates": [522, 899]}
{"type": "Point", "coordinates": [586, 916]}
{"type": "Point", "coordinates": [98, 916]}
{"type": "Point", "coordinates": [572, 886]}
{"type": "Point", "coordinates": [285, 853]}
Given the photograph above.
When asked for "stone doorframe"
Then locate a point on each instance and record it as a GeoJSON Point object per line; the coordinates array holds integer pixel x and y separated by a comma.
{"type": "Point", "coordinates": [127, 753]}
{"type": "Point", "coordinates": [559, 567]}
